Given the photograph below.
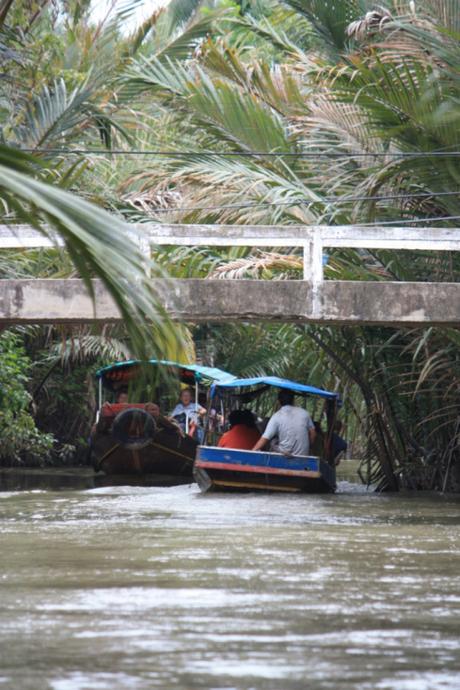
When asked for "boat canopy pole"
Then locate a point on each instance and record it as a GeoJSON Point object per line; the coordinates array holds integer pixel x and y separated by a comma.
{"type": "Point", "coordinates": [331, 416]}
{"type": "Point", "coordinates": [99, 400]}
{"type": "Point", "coordinates": [196, 398]}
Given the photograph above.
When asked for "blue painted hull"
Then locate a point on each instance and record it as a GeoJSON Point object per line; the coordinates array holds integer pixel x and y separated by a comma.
{"type": "Point", "coordinates": [226, 469]}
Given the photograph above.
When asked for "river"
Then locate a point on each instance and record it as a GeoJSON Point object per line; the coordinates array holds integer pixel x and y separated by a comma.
{"type": "Point", "coordinates": [120, 588]}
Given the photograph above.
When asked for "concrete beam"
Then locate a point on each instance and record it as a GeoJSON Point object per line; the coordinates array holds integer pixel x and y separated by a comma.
{"type": "Point", "coordinates": [332, 302]}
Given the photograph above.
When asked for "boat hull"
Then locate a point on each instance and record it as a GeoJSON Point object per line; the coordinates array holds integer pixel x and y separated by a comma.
{"type": "Point", "coordinates": [224, 469]}
{"type": "Point", "coordinates": [167, 459]}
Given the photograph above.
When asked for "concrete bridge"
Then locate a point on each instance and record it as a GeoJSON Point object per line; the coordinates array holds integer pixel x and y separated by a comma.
{"type": "Point", "coordinates": [310, 300]}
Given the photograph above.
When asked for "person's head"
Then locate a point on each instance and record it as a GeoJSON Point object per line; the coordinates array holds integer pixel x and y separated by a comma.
{"type": "Point", "coordinates": [285, 397]}
{"type": "Point", "coordinates": [186, 396]}
{"type": "Point", "coordinates": [122, 396]}
{"type": "Point", "coordinates": [338, 426]}
{"type": "Point", "coordinates": [244, 417]}
{"type": "Point", "coordinates": [152, 408]}
{"type": "Point", "coordinates": [248, 419]}
{"type": "Point", "coordinates": [236, 417]}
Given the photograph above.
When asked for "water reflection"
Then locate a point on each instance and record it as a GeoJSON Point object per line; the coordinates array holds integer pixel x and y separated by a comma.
{"type": "Point", "coordinates": [133, 587]}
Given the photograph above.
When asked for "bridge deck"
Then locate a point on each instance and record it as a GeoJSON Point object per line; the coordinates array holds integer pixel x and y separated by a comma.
{"type": "Point", "coordinates": [333, 302]}
{"type": "Point", "coordinates": [309, 300]}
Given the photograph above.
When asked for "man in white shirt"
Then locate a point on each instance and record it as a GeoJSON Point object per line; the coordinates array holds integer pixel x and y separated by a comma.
{"type": "Point", "coordinates": [292, 425]}
{"type": "Point", "coordinates": [190, 410]}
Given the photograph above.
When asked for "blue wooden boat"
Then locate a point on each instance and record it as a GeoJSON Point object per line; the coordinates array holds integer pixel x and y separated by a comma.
{"type": "Point", "coordinates": [228, 469]}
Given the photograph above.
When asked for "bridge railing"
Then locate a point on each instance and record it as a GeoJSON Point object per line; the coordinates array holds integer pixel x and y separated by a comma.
{"type": "Point", "coordinates": [312, 239]}
{"type": "Point", "coordinates": [311, 300]}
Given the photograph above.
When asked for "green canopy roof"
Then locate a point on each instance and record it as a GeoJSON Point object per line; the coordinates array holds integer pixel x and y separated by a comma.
{"type": "Point", "coordinates": [187, 373]}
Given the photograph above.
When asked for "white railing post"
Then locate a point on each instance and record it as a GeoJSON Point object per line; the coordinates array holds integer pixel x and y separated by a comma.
{"type": "Point", "coordinates": [313, 258]}
{"type": "Point", "coordinates": [143, 242]}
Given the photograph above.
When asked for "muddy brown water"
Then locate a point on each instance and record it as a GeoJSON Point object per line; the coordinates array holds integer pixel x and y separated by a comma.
{"type": "Point", "coordinates": [125, 587]}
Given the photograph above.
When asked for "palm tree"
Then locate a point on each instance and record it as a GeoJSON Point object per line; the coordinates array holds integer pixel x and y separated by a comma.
{"type": "Point", "coordinates": [33, 190]}
{"type": "Point", "coordinates": [98, 244]}
{"type": "Point", "coordinates": [364, 99]}
{"type": "Point", "coordinates": [33, 186]}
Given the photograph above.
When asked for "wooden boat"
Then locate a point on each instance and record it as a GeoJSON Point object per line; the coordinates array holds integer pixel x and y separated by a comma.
{"type": "Point", "coordinates": [127, 440]}
{"type": "Point", "coordinates": [228, 469]}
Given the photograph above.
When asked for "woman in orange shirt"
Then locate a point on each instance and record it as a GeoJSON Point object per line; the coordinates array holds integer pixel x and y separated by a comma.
{"type": "Point", "coordinates": [243, 433]}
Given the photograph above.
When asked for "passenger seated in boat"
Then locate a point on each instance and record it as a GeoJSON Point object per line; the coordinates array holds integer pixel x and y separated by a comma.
{"type": "Point", "coordinates": [187, 411]}
{"type": "Point", "coordinates": [106, 416]}
{"type": "Point", "coordinates": [153, 409]}
{"type": "Point", "coordinates": [121, 397]}
{"type": "Point", "coordinates": [243, 433]}
{"type": "Point", "coordinates": [293, 426]}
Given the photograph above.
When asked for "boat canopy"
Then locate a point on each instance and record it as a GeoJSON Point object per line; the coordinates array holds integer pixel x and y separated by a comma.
{"type": "Point", "coordinates": [123, 372]}
{"type": "Point", "coordinates": [264, 382]}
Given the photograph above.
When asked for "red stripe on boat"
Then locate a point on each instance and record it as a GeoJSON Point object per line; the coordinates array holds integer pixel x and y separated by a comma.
{"type": "Point", "coordinates": [259, 469]}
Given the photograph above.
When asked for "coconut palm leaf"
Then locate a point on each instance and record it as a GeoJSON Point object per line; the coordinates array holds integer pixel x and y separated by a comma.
{"type": "Point", "coordinates": [182, 11]}
{"type": "Point", "coordinates": [98, 244]}
{"type": "Point", "coordinates": [56, 116]}
{"type": "Point", "coordinates": [178, 42]}
{"type": "Point", "coordinates": [85, 347]}
{"type": "Point", "coordinates": [162, 78]}
{"type": "Point", "coordinates": [444, 12]}
{"type": "Point", "coordinates": [5, 7]}
{"type": "Point", "coordinates": [276, 86]}
{"type": "Point", "coordinates": [236, 117]}
{"type": "Point", "coordinates": [330, 18]}
{"type": "Point", "coordinates": [245, 190]}
{"type": "Point", "coordinates": [173, 33]}
{"type": "Point", "coordinates": [262, 265]}
{"type": "Point", "coordinates": [183, 30]}
{"type": "Point", "coordinates": [239, 119]}
{"type": "Point", "coordinates": [272, 30]}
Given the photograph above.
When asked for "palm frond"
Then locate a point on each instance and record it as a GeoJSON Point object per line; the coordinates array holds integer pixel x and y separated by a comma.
{"type": "Point", "coordinates": [86, 348]}
{"type": "Point", "coordinates": [182, 11]}
{"type": "Point", "coordinates": [4, 9]}
{"type": "Point", "coordinates": [178, 43]}
{"type": "Point", "coordinates": [445, 12]}
{"type": "Point", "coordinates": [373, 22]}
{"type": "Point", "coordinates": [276, 86]}
{"type": "Point", "coordinates": [330, 18]}
{"type": "Point", "coordinates": [259, 266]}
{"type": "Point", "coordinates": [274, 34]}
{"type": "Point", "coordinates": [98, 244]}
{"type": "Point", "coordinates": [56, 116]}
{"type": "Point", "coordinates": [162, 78]}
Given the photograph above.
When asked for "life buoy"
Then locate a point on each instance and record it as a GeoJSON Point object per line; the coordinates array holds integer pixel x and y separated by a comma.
{"type": "Point", "coordinates": [133, 428]}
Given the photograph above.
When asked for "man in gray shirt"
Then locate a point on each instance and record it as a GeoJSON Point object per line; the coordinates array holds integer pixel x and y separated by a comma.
{"type": "Point", "coordinates": [292, 425]}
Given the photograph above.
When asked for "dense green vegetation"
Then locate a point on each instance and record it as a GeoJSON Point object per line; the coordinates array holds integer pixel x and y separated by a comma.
{"type": "Point", "coordinates": [20, 437]}
{"type": "Point", "coordinates": [353, 96]}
